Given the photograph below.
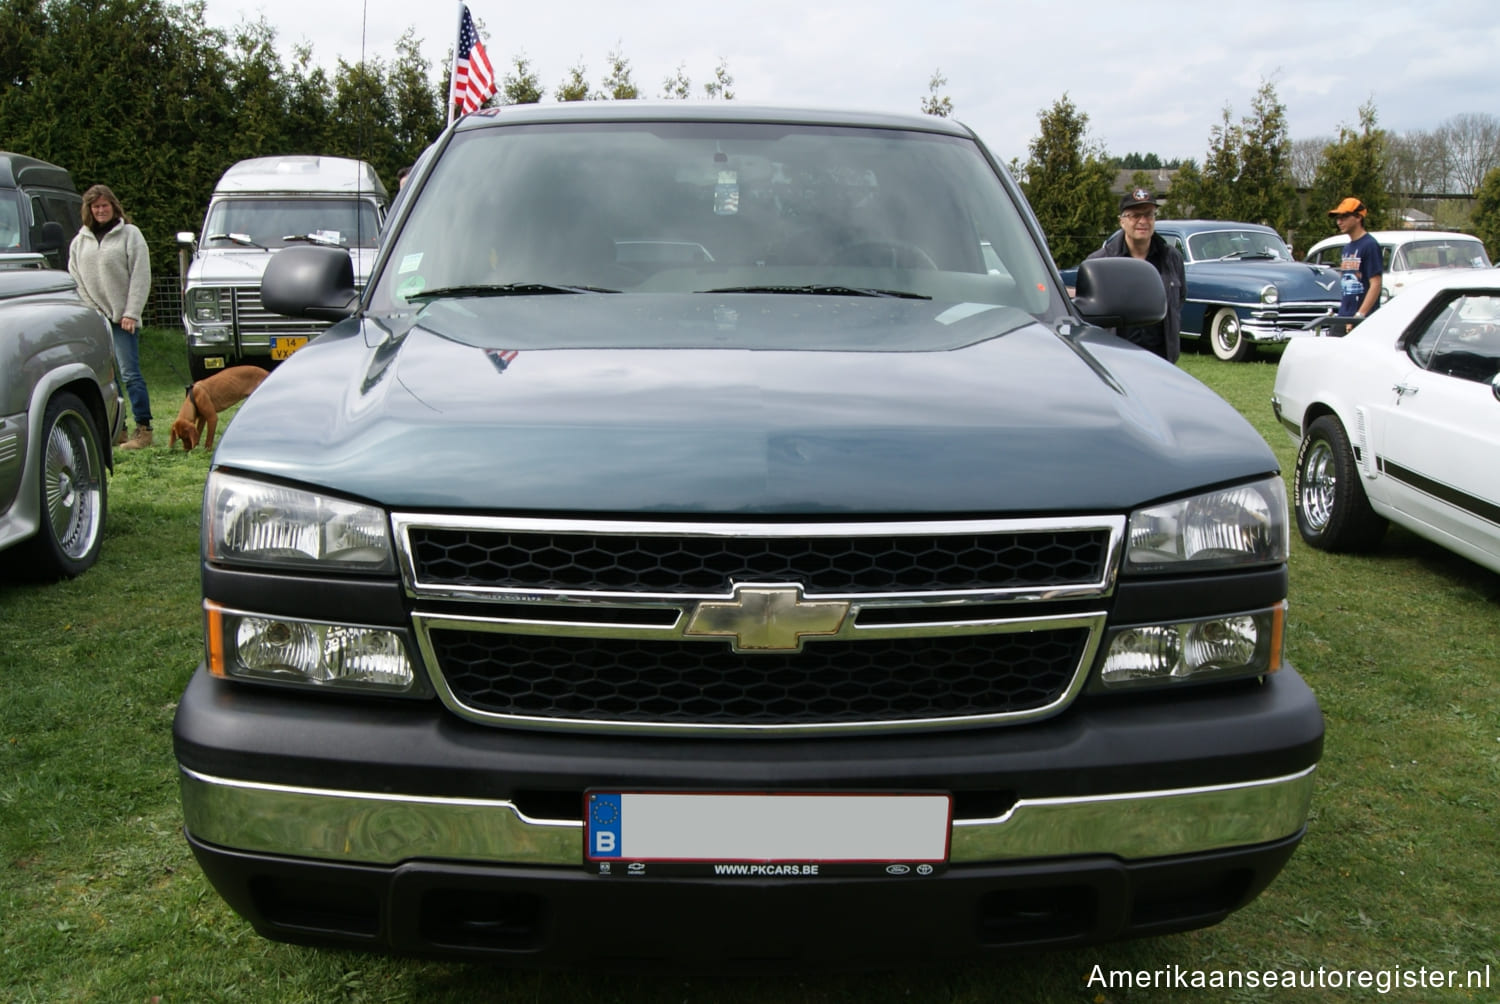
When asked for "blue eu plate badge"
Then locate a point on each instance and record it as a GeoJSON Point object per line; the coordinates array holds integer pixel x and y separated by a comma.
{"type": "Point", "coordinates": [604, 834]}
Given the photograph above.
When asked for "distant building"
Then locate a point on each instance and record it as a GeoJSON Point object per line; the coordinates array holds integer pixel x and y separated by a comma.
{"type": "Point", "coordinates": [1414, 219]}
{"type": "Point", "coordinates": [1161, 181]}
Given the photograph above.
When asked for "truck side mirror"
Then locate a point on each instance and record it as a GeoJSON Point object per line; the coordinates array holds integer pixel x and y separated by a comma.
{"type": "Point", "coordinates": [52, 238]}
{"type": "Point", "coordinates": [1115, 292]}
{"type": "Point", "coordinates": [312, 282]}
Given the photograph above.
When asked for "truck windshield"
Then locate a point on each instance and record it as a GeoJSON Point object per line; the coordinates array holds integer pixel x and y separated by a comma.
{"type": "Point", "coordinates": [277, 222]}
{"type": "Point", "coordinates": [692, 207]}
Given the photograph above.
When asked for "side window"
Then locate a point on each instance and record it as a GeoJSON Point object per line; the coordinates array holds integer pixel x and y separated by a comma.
{"type": "Point", "coordinates": [64, 210]}
{"type": "Point", "coordinates": [1463, 340]}
{"type": "Point", "coordinates": [10, 223]}
{"type": "Point", "coordinates": [38, 217]}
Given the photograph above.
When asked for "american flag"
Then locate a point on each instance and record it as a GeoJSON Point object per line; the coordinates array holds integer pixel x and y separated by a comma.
{"type": "Point", "coordinates": [473, 76]}
{"type": "Point", "coordinates": [501, 358]}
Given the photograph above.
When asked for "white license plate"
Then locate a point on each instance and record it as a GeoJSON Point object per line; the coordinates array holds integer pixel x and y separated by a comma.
{"type": "Point", "coordinates": [893, 831]}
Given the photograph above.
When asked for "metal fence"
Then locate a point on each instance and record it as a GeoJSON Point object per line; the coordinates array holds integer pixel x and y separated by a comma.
{"type": "Point", "coordinates": [164, 306]}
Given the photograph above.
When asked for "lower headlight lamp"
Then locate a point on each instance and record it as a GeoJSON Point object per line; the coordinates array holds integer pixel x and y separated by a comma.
{"type": "Point", "coordinates": [309, 653]}
{"type": "Point", "coordinates": [1240, 645]}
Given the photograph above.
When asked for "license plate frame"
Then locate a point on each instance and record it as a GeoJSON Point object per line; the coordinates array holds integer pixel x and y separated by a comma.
{"type": "Point", "coordinates": [766, 834]}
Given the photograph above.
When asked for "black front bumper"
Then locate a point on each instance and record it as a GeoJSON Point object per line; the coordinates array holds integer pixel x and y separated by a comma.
{"type": "Point", "coordinates": [546, 917]}
{"type": "Point", "coordinates": [396, 826]}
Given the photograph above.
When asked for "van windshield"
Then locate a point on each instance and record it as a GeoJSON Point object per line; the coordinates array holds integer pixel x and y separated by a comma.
{"type": "Point", "coordinates": [277, 222]}
{"type": "Point", "coordinates": [695, 207]}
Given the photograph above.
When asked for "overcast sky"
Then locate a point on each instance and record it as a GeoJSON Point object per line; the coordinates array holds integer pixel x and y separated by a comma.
{"type": "Point", "coordinates": [1152, 77]}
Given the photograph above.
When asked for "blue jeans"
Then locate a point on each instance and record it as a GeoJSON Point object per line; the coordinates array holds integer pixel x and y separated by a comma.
{"type": "Point", "coordinates": [128, 357]}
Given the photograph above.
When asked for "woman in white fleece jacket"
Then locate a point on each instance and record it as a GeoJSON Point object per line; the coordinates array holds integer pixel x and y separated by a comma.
{"type": "Point", "coordinates": [112, 267]}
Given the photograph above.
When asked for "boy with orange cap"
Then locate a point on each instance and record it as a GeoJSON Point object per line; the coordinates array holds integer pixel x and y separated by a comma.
{"type": "Point", "coordinates": [1360, 266]}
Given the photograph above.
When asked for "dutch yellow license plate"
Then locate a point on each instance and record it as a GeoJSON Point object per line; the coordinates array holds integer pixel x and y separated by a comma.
{"type": "Point", "coordinates": [282, 348]}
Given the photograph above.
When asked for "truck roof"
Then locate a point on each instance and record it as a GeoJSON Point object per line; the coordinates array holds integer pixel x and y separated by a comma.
{"type": "Point", "coordinates": [16, 168]}
{"type": "Point", "coordinates": [301, 174]}
{"type": "Point", "coordinates": [652, 111]}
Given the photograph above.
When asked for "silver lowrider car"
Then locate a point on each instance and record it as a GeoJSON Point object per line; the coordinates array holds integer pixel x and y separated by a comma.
{"type": "Point", "coordinates": [60, 408]}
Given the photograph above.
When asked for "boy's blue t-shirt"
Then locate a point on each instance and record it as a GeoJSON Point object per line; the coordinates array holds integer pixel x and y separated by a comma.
{"type": "Point", "coordinates": [1359, 264]}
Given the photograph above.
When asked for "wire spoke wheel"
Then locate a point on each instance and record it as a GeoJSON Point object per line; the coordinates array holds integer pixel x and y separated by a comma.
{"type": "Point", "coordinates": [73, 484]}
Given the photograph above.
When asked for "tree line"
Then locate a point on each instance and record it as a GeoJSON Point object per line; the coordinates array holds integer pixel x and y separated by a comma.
{"type": "Point", "coordinates": [1253, 172]}
{"type": "Point", "coordinates": [144, 96]}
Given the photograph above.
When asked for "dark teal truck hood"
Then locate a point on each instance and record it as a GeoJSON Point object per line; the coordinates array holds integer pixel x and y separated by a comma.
{"type": "Point", "coordinates": [736, 403]}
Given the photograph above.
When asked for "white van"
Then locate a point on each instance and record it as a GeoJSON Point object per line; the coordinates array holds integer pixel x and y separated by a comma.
{"type": "Point", "coordinates": [258, 207]}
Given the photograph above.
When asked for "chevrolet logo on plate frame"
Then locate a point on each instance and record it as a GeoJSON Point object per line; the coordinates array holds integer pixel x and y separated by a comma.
{"type": "Point", "coordinates": [772, 618]}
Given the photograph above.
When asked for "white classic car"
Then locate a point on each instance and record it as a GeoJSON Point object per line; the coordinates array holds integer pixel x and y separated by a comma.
{"type": "Point", "coordinates": [1400, 420]}
{"type": "Point", "coordinates": [1409, 256]}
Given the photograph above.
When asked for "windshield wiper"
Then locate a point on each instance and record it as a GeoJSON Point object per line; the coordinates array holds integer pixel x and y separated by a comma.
{"type": "Point", "coordinates": [313, 239]}
{"type": "Point", "coordinates": [1249, 254]}
{"type": "Point", "coordinates": [821, 291]}
{"type": "Point", "coordinates": [244, 239]}
{"type": "Point", "coordinates": [502, 289]}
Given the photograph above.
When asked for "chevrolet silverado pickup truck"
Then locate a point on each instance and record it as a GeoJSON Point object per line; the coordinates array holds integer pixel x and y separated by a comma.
{"type": "Point", "coordinates": [714, 534]}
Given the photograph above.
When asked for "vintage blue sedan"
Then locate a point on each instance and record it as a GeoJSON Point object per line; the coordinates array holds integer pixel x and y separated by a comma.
{"type": "Point", "coordinates": [1244, 288]}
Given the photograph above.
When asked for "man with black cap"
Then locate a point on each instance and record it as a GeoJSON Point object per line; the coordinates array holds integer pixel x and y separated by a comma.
{"type": "Point", "coordinates": [1360, 266]}
{"type": "Point", "coordinates": [1137, 239]}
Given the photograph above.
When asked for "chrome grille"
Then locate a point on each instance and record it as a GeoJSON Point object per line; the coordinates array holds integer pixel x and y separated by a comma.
{"type": "Point", "coordinates": [1287, 319]}
{"type": "Point", "coordinates": [256, 325]}
{"type": "Point", "coordinates": [660, 627]}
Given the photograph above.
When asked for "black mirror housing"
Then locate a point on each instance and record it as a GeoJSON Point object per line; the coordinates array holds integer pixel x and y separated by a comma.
{"type": "Point", "coordinates": [1117, 292]}
{"type": "Point", "coordinates": [53, 237]}
{"type": "Point", "coordinates": [312, 282]}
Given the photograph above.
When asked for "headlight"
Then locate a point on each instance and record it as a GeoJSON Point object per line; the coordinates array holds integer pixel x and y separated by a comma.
{"type": "Point", "coordinates": [253, 523]}
{"type": "Point", "coordinates": [1270, 294]}
{"type": "Point", "coordinates": [1244, 525]}
{"type": "Point", "coordinates": [203, 305]}
{"type": "Point", "coordinates": [1240, 645]}
{"type": "Point", "coordinates": [310, 653]}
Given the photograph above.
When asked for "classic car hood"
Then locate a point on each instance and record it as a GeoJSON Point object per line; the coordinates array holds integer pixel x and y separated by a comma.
{"type": "Point", "coordinates": [852, 405]}
{"type": "Point", "coordinates": [245, 266]}
{"type": "Point", "coordinates": [1295, 280]}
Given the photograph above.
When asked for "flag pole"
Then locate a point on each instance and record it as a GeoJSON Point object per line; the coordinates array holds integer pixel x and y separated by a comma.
{"type": "Point", "coordinates": [453, 66]}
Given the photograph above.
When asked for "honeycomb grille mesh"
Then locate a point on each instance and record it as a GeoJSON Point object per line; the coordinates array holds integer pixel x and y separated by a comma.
{"type": "Point", "coordinates": [583, 561]}
{"type": "Point", "coordinates": [836, 682]}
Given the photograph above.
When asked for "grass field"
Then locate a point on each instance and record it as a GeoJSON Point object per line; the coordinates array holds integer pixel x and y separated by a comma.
{"type": "Point", "coordinates": [100, 899]}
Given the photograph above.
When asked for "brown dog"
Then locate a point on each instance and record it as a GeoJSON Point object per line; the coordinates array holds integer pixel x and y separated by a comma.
{"type": "Point", "coordinates": [206, 398]}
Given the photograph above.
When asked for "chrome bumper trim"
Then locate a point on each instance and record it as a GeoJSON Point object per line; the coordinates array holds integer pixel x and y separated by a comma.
{"type": "Point", "coordinates": [381, 829]}
{"type": "Point", "coordinates": [1141, 824]}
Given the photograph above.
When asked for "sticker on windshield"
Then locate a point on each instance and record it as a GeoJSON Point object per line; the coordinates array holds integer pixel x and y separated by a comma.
{"type": "Point", "coordinates": [411, 287]}
{"type": "Point", "coordinates": [410, 263]}
{"type": "Point", "coordinates": [328, 236]}
{"type": "Point", "coordinates": [727, 194]}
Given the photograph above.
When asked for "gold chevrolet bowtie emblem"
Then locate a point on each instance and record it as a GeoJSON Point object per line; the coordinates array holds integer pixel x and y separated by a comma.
{"type": "Point", "coordinates": [767, 618]}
